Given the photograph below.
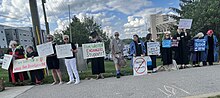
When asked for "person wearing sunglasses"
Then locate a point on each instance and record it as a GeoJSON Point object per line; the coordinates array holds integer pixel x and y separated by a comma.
{"type": "Point", "coordinates": [116, 47]}
{"type": "Point", "coordinates": [70, 62]}
{"type": "Point", "coordinates": [53, 63]}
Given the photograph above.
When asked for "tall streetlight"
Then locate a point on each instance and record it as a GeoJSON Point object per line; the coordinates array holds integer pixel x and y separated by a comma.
{"type": "Point", "coordinates": [70, 24]}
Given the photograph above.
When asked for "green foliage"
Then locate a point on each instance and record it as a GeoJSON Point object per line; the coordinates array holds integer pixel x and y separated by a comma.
{"type": "Point", "coordinates": [205, 14]}
{"type": "Point", "coordinates": [82, 29]}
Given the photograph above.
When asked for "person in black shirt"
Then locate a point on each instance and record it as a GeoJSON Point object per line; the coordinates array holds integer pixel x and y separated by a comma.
{"type": "Point", "coordinates": [70, 62]}
{"type": "Point", "coordinates": [36, 75]}
{"type": "Point", "coordinates": [53, 63]}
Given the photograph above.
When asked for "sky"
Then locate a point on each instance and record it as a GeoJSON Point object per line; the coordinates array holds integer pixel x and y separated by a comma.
{"type": "Point", "coordinates": [127, 17]}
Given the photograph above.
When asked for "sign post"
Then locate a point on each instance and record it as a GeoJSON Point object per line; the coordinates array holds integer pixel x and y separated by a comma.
{"type": "Point", "coordinates": [64, 50]}
{"type": "Point", "coordinates": [45, 49]}
{"type": "Point", "coordinates": [139, 66]}
{"type": "Point", "coordinates": [6, 61]}
{"type": "Point", "coordinates": [153, 48]}
{"type": "Point", "coordinates": [199, 44]}
{"type": "Point", "coordinates": [185, 24]}
{"type": "Point", "coordinates": [93, 50]}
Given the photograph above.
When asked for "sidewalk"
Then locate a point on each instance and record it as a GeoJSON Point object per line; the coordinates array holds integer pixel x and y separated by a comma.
{"type": "Point", "coordinates": [12, 92]}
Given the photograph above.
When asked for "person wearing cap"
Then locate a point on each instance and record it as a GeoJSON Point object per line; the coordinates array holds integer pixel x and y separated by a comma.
{"type": "Point", "coordinates": [212, 47]}
{"type": "Point", "coordinates": [70, 62]}
{"type": "Point", "coordinates": [53, 62]}
{"type": "Point", "coordinates": [17, 53]}
{"type": "Point", "coordinates": [197, 56]}
{"type": "Point", "coordinates": [116, 47]}
{"type": "Point", "coordinates": [98, 67]}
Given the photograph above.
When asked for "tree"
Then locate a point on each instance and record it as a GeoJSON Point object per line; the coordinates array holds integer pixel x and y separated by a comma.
{"type": "Point", "coordinates": [82, 29]}
{"type": "Point", "coordinates": [204, 13]}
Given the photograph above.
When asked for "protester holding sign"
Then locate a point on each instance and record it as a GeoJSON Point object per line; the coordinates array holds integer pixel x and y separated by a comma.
{"type": "Point", "coordinates": [116, 47]}
{"type": "Point", "coordinates": [137, 47]}
{"type": "Point", "coordinates": [182, 51]}
{"type": "Point", "coordinates": [70, 62]}
{"type": "Point", "coordinates": [97, 63]}
{"type": "Point", "coordinates": [153, 67]}
{"type": "Point", "coordinates": [212, 47]}
{"type": "Point", "coordinates": [196, 55]}
{"type": "Point", "coordinates": [18, 53]}
{"type": "Point", "coordinates": [166, 52]}
{"type": "Point", "coordinates": [53, 63]}
{"type": "Point", "coordinates": [36, 75]}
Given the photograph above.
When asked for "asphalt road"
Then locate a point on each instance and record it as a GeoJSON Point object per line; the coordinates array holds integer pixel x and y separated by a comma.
{"type": "Point", "coordinates": [174, 84]}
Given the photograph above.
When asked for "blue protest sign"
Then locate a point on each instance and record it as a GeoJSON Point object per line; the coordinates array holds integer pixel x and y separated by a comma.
{"type": "Point", "coordinates": [199, 44]}
{"type": "Point", "coordinates": [166, 43]}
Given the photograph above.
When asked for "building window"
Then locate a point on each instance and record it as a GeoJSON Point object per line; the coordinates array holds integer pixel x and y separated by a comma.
{"type": "Point", "coordinates": [1, 31]}
{"type": "Point", "coordinates": [24, 34]}
{"type": "Point", "coordinates": [3, 39]}
{"type": "Point", "coordinates": [25, 40]}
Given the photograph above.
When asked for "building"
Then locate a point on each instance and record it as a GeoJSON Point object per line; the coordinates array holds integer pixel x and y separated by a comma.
{"type": "Point", "coordinates": [3, 41]}
{"type": "Point", "coordinates": [23, 37]}
{"type": "Point", "coordinates": [160, 23]}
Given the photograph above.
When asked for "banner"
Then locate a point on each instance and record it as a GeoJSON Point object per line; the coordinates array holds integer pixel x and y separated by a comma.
{"type": "Point", "coordinates": [64, 50]}
{"type": "Point", "coordinates": [166, 43]}
{"type": "Point", "coordinates": [174, 43]}
{"type": "Point", "coordinates": [21, 65]}
{"type": "Point", "coordinates": [6, 61]}
{"type": "Point", "coordinates": [93, 50]}
{"type": "Point", "coordinates": [153, 48]}
{"type": "Point", "coordinates": [185, 24]}
{"type": "Point", "coordinates": [45, 49]}
{"type": "Point", "coordinates": [199, 44]}
{"type": "Point", "coordinates": [139, 66]}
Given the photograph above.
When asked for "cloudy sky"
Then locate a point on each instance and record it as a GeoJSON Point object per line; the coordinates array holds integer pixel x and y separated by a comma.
{"type": "Point", "coordinates": [125, 16]}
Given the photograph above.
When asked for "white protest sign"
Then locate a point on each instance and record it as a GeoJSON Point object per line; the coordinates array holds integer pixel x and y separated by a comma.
{"type": "Point", "coordinates": [21, 65]}
{"type": "Point", "coordinates": [64, 50]}
{"type": "Point", "coordinates": [45, 49]}
{"type": "Point", "coordinates": [185, 24]}
{"type": "Point", "coordinates": [139, 66]}
{"type": "Point", "coordinates": [153, 48]}
{"type": "Point", "coordinates": [93, 50]}
{"type": "Point", "coordinates": [6, 61]}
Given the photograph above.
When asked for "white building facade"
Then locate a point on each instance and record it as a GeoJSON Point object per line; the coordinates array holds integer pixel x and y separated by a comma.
{"type": "Point", "coordinates": [3, 40]}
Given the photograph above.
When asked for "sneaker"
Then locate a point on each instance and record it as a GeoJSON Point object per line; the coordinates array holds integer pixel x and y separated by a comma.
{"type": "Point", "coordinates": [121, 74]}
{"type": "Point", "coordinates": [77, 82]}
{"type": "Point", "coordinates": [54, 83]}
{"type": "Point", "coordinates": [60, 83]}
{"type": "Point", "coordinates": [154, 70]}
{"type": "Point", "coordinates": [117, 75]}
{"type": "Point", "coordinates": [70, 82]}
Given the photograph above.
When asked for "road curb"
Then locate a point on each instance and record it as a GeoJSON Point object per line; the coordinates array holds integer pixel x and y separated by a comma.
{"type": "Point", "coordinates": [204, 95]}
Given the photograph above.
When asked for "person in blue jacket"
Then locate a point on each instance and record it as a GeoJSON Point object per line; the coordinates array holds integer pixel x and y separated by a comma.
{"type": "Point", "coordinates": [137, 48]}
{"type": "Point", "coordinates": [212, 47]}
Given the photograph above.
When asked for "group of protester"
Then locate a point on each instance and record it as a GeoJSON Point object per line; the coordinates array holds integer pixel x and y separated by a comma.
{"type": "Point", "coordinates": [182, 53]}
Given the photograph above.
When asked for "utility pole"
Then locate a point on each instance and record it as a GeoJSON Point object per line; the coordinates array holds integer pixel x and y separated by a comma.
{"type": "Point", "coordinates": [35, 21]}
{"type": "Point", "coordinates": [45, 17]}
{"type": "Point", "coordinates": [70, 24]}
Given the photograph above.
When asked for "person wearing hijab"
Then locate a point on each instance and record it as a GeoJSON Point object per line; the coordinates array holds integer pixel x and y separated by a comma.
{"type": "Point", "coordinates": [197, 56]}
{"type": "Point", "coordinates": [212, 47]}
{"type": "Point", "coordinates": [137, 48]}
{"type": "Point", "coordinates": [98, 67]}
{"type": "Point", "coordinates": [18, 53]}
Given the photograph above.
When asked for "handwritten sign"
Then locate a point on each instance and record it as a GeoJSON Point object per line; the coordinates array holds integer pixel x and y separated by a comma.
{"type": "Point", "coordinates": [199, 44]}
{"type": "Point", "coordinates": [45, 49]}
{"type": "Point", "coordinates": [139, 66]}
{"type": "Point", "coordinates": [63, 51]}
{"type": "Point", "coordinates": [153, 48]}
{"type": "Point", "coordinates": [185, 24]}
{"type": "Point", "coordinates": [6, 61]}
{"type": "Point", "coordinates": [21, 65]}
{"type": "Point", "coordinates": [174, 43]}
{"type": "Point", "coordinates": [93, 50]}
{"type": "Point", "coordinates": [166, 43]}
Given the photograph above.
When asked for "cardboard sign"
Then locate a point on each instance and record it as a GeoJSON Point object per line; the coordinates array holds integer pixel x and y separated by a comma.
{"type": "Point", "coordinates": [21, 65]}
{"type": "Point", "coordinates": [166, 43]}
{"type": "Point", "coordinates": [153, 48]}
{"type": "Point", "coordinates": [174, 43]}
{"type": "Point", "coordinates": [64, 50]}
{"type": "Point", "coordinates": [199, 44]}
{"type": "Point", "coordinates": [185, 24]}
{"type": "Point", "coordinates": [93, 50]}
{"type": "Point", "coordinates": [6, 61]}
{"type": "Point", "coordinates": [139, 66]}
{"type": "Point", "coordinates": [45, 49]}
